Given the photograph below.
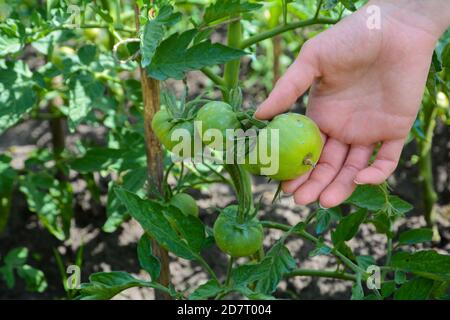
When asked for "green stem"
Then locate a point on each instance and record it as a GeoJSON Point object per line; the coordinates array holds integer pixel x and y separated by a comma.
{"type": "Point", "coordinates": [320, 273]}
{"type": "Point", "coordinates": [283, 28]}
{"type": "Point", "coordinates": [426, 168]}
{"type": "Point", "coordinates": [231, 70]}
{"type": "Point", "coordinates": [205, 265]}
{"type": "Point", "coordinates": [213, 77]}
{"type": "Point", "coordinates": [229, 269]}
{"type": "Point", "coordinates": [306, 235]}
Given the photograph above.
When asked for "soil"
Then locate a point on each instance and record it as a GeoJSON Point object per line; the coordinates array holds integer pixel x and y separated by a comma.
{"type": "Point", "coordinates": [117, 251]}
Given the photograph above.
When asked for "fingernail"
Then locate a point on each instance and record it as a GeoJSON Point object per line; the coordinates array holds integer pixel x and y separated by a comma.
{"type": "Point", "coordinates": [322, 207]}
{"type": "Point", "coordinates": [357, 182]}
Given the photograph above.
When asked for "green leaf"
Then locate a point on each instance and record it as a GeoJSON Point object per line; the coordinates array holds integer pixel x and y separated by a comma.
{"type": "Point", "coordinates": [97, 159]}
{"type": "Point", "coordinates": [51, 199]}
{"type": "Point", "coordinates": [399, 277]}
{"type": "Point", "coordinates": [9, 45]}
{"type": "Point", "coordinates": [252, 295]}
{"type": "Point", "coordinates": [321, 249]}
{"type": "Point", "coordinates": [7, 273]}
{"type": "Point", "coordinates": [34, 278]}
{"type": "Point", "coordinates": [87, 54]}
{"type": "Point", "coordinates": [154, 32]}
{"type": "Point", "coordinates": [426, 263]}
{"type": "Point", "coordinates": [133, 181]}
{"type": "Point", "coordinates": [387, 289]}
{"type": "Point", "coordinates": [281, 262]}
{"type": "Point", "coordinates": [399, 205]}
{"type": "Point", "coordinates": [367, 196]}
{"type": "Point", "coordinates": [348, 226]}
{"type": "Point", "coordinates": [207, 290]}
{"type": "Point", "coordinates": [415, 289]}
{"type": "Point", "coordinates": [365, 261]}
{"type": "Point", "coordinates": [106, 285]}
{"type": "Point", "coordinates": [173, 58]}
{"type": "Point", "coordinates": [84, 93]}
{"type": "Point", "coordinates": [357, 291]}
{"type": "Point", "coordinates": [348, 4]}
{"type": "Point", "coordinates": [16, 257]}
{"type": "Point", "coordinates": [147, 260]}
{"type": "Point", "coordinates": [248, 273]}
{"type": "Point", "coordinates": [415, 236]}
{"type": "Point", "coordinates": [382, 223]}
{"type": "Point", "coordinates": [324, 218]}
{"type": "Point", "coordinates": [151, 217]}
{"type": "Point", "coordinates": [17, 96]}
{"type": "Point", "coordinates": [189, 227]}
{"type": "Point", "coordinates": [223, 9]}
{"type": "Point", "coordinates": [329, 4]}
{"type": "Point", "coordinates": [445, 56]}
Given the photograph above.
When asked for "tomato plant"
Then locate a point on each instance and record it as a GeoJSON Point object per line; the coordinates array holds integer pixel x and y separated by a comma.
{"type": "Point", "coordinates": [100, 93]}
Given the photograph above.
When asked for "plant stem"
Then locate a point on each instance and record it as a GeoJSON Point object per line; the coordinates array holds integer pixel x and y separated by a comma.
{"type": "Point", "coordinates": [320, 273]}
{"type": "Point", "coordinates": [207, 268]}
{"type": "Point", "coordinates": [213, 77]}
{"type": "Point", "coordinates": [306, 235]}
{"type": "Point", "coordinates": [229, 269]}
{"type": "Point", "coordinates": [150, 94]}
{"type": "Point", "coordinates": [283, 28]}
{"type": "Point", "coordinates": [426, 168]}
{"type": "Point", "coordinates": [231, 71]}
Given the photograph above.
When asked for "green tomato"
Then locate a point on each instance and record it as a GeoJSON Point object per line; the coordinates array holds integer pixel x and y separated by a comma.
{"type": "Point", "coordinates": [237, 239]}
{"type": "Point", "coordinates": [185, 203]}
{"type": "Point", "coordinates": [163, 126]}
{"type": "Point", "coordinates": [300, 145]}
{"type": "Point", "coordinates": [217, 115]}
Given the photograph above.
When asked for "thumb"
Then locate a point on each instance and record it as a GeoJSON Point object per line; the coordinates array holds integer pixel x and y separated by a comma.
{"type": "Point", "coordinates": [297, 79]}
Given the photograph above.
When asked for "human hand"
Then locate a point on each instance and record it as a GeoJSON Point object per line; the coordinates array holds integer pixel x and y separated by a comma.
{"type": "Point", "coordinates": [367, 86]}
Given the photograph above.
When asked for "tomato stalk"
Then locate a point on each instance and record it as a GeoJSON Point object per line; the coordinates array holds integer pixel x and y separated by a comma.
{"type": "Point", "coordinates": [151, 97]}
{"type": "Point", "coordinates": [426, 168]}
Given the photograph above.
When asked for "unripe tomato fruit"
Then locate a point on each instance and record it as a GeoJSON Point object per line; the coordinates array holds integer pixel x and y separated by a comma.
{"type": "Point", "coordinates": [61, 53]}
{"type": "Point", "coordinates": [217, 115]}
{"type": "Point", "coordinates": [185, 203]}
{"type": "Point", "coordinates": [300, 145]}
{"type": "Point", "coordinates": [163, 126]}
{"type": "Point", "coordinates": [237, 239]}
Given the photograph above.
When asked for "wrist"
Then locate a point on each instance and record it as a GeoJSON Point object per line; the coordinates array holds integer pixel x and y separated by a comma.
{"type": "Point", "coordinates": [432, 16]}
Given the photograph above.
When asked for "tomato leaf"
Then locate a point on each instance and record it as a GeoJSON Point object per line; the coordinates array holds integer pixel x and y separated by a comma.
{"type": "Point", "coordinates": [324, 218]}
{"type": "Point", "coordinates": [399, 205]}
{"type": "Point", "coordinates": [147, 260]}
{"type": "Point", "coordinates": [51, 199]}
{"type": "Point", "coordinates": [348, 4]}
{"type": "Point", "coordinates": [348, 226]}
{"type": "Point", "coordinates": [427, 264]}
{"type": "Point", "coordinates": [17, 96]}
{"type": "Point", "coordinates": [150, 216]}
{"type": "Point", "coordinates": [207, 290]}
{"type": "Point", "coordinates": [173, 58]}
{"type": "Point", "coordinates": [154, 32]}
{"type": "Point", "coordinates": [245, 274]}
{"type": "Point", "coordinates": [87, 54]}
{"type": "Point", "coordinates": [106, 285]}
{"type": "Point", "coordinates": [281, 263]}
{"type": "Point", "coordinates": [369, 197]}
{"type": "Point", "coordinates": [84, 93]}
{"type": "Point", "coordinates": [415, 289]}
{"type": "Point", "coordinates": [223, 9]}
{"type": "Point", "coordinates": [415, 236]}
{"type": "Point", "coordinates": [34, 278]}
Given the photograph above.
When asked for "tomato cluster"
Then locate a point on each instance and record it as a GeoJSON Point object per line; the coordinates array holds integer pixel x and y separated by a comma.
{"type": "Point", "coordinates": [295, 151]}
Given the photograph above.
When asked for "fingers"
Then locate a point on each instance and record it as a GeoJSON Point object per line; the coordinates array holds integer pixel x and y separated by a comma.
{"type": "Point", "coordinates": [330, 162]}
{"type": "Point", "coordinates": [384, 165]}
{"type": "Point", "coordinates": [297, 79]}
{"type": "Point", "coordinates": [343, 186]}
